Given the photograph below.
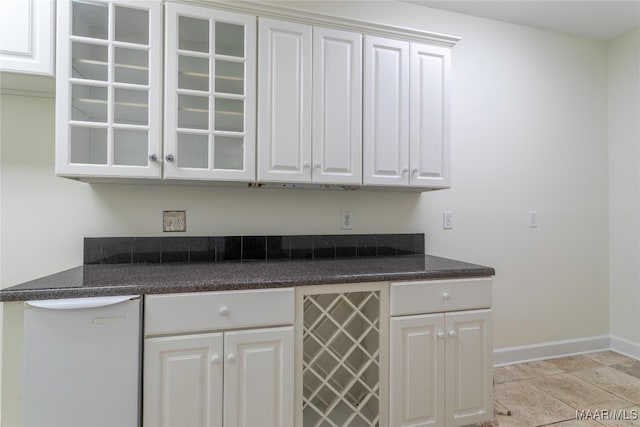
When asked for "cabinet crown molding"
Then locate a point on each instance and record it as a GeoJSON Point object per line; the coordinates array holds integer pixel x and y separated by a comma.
{"type": "Point", "coordinates": [271, 10]}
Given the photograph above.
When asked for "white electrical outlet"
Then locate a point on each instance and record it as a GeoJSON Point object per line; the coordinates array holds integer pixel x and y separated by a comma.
{"type": "Point", "coordinates": [447, 220]}
{"type": "Point", "coordinates": [346, 220]}
{"type": "Point", "coordinates": [533, 219]}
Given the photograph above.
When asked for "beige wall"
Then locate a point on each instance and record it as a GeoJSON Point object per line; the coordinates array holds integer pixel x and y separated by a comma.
{"type": "Point", "coordinates": [624, 186]}
{"type": "Point", "coordinates": [529, 133]}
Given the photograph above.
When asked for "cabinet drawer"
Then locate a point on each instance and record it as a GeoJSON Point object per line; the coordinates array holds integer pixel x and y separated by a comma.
{"type": "Point", "coordinates": [433, 296]}
{"type": "Point", "coordinates": [205, 311]}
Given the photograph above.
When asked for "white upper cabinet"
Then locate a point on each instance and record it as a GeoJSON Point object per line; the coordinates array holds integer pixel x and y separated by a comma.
{"type": "Point", "coordinates": [245, 99]}
{"type": "Point", "coordinates": [210, 94]}
{"type": "Point", "coordinates": [108, 89]}
{"type": "Point", "coordinates": [386, 112]}
{"type": "Point", "coordinates": [430, 123]}
{"type": "Point", "coordinates": [27, 36]}
{"type": "Point", "coordinates": [337, 107]}
{"type": "Point", "coordinates": [310, 119]}
{"type": "Point", "coordinates": [406, 110]}
{"type": "Point", "coordinates": [284, 110]}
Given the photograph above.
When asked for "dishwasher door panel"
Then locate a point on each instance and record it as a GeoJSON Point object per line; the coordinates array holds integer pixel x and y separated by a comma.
{"type": "Point", "coordinates": [82, 362]}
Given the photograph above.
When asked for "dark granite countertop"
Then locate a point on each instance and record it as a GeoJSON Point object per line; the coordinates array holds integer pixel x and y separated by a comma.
{"type": "Point", "coordinates": [136, 279]}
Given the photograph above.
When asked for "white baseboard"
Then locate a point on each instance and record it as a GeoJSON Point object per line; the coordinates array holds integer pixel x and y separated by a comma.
{"type": "Point", "coordinates": [628, 348]}
{"type": "Point", "coordinates": [548, 350]}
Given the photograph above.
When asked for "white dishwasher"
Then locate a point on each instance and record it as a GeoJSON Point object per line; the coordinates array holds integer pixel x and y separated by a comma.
{"type": "Point", "coordinates": [82, 362]}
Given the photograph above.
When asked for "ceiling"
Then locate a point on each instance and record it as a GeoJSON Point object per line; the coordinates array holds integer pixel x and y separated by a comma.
{"type": "Point", "coordinates": [595, 19]}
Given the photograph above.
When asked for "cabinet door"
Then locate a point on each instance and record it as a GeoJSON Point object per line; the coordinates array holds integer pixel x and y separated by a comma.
{"type": "Point", "coordinates": [108, 89]}
{"type": "Point", "coordinates": [386, 112]}
{"type": "Point", "coordinates": [26, 36]}
{"type": "Point", "coordinates": [469, 367]}
{"type": "Point", "coordinates": [284, 110]}
{"type": "Point", "coordinates": [258, 377]}
{"type": "Point", "coordinates": [417, 370]}
{"type": "Point", "coordinates": [210, 93]}
{"type": "Point", "coordinates": [337, 107]}
{"type": "Point", "coordinates": [430, 128]}
{"type": "Point", "coordinates": [183, 381]}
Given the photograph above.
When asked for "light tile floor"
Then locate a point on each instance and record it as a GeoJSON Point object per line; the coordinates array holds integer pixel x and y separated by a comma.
{"type": "Point", "coordinates": [557, 391]}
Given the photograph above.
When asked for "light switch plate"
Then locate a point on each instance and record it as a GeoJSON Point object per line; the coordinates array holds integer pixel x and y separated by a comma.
{"type": "Point", "coordinates": [173, 221]}
{"type": "Point", "coordinates": [447, 220]}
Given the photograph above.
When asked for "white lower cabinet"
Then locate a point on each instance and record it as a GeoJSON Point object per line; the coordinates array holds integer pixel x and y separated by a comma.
{"type": "Point", "coordinates": [183, 380]}
{"type": "Point", "coordinates": [258, 377]}
{"type": "Point", "coordinates": [440, 364]}
{"type": "Point", "coordinates": [412, 353]}
{"type": "Point", "coordinates": [441, 369]}
{"type": "Point", "coordinates": [234, 377]}
{"type": "Point", "coordinates": [184, 377]}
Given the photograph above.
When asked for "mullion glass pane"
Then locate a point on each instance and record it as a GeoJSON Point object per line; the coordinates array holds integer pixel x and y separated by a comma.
{"type": "Point", "coordinates": [229, 115]}
{"type": "Point", "coordinates": [230, 77]}
{"type": "Point", "coordinates": [131, 25]}
{"type": "Point", "coordinates": [229, 39]}
{"type": "Point", "coordinates": [193, 73]}
{"type": "Point", "coordinates": [193, 34]}
{"type": "Point", "coordinates": [90, 20]}
{"type": "Point", "coordinates": [193, 151]}
{"type": "Point", "coordinates": [89, 103]}
{"type": "Point", "coordinates": [89, 61]}
{"type": "Point", "coordinates": [130, 147]}
{"type": "Point", "coordinates": [131, 106]}
{"type": "Point", "coordinates": [193, 112]}
{"type": "Point", "coordinates": [228, 153]}
{"type": "Point", "coordinates": [88, 145]}
{"type": "Point", "coordinates": [131, 66]}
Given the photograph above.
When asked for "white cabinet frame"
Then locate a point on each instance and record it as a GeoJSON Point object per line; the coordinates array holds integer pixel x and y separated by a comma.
{"type": "Point", "coordinates": [173, 168]}
{"type": "Point", "coordinates": [64, 95]}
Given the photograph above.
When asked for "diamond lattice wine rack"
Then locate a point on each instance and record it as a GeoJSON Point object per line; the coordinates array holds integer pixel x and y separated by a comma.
{"type": "Point", "coordinates": [343, 369]}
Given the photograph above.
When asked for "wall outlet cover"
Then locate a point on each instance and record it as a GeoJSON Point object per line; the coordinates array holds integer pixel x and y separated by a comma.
{"type": "Point", "coordinates": [447, 220]}
{"type": "Point", "coordinates": [173, 221]}
{"type": "Point", "coordinates": [346, 220]}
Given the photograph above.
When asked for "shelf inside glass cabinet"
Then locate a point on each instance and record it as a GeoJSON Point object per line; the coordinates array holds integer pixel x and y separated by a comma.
{"type": "Point", "coordinates": [90, 63]}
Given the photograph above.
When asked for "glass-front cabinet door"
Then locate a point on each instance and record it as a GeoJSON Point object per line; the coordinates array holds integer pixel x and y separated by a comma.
{"type": "Point", "coordinates": [210, 96]}
{"type": "Point", "coordinates": [109, 90]}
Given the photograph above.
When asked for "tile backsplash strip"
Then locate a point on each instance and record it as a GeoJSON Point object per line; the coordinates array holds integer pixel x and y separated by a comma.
{"type": "Point", "coordinates": [127, 250]}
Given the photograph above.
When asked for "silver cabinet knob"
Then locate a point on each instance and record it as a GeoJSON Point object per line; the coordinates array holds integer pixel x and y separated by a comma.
{"type": "Point", "coordinates": [215, 359]}
{"type": "Point", "coordinates": [405, 170]}
{"type": "Point", "coordinates": [446, 296]}
{"type": "Point", "coordinates": [224, 311]}
{"type": "Point", "coordinates": [452, 334]}
{"type": "Point", "coordinates": [231, 358]}
{"type": "Point", "coordinates": [440, 335]}
{"type": "Point", "coordinates": [415, 171]}
{"type": "Point", "coordinates": [169, 158]}
{"type": "Point", "coordinates": [306, 165]}
{"type": "Point", "coordinates": [153, 157]}
{"type": "Point", "coordinates": [318, 165]}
